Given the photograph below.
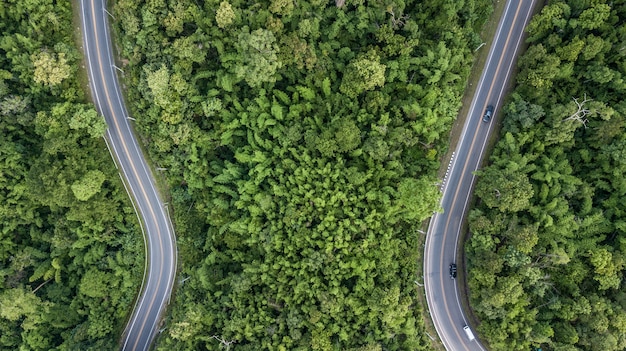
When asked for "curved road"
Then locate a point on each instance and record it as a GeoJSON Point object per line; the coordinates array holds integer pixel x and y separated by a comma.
{"type": "Point", "coordinates": [158, 234]}
{"type": "Point", "coordinates": [442, 238]}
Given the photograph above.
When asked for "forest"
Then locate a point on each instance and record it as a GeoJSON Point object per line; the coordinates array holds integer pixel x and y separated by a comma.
{"type": "Point", "coordinates": [71, 252]}
{"type": "Point", "coordinates": [300, 141]}
{"type": "Point", "coordinates": [547, 253]}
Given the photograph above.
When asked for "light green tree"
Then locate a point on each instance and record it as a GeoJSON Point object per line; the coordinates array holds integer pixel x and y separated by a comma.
{"type": "Point", "coordinates": [90, 120]}
{"type": "Point", "coordinates": [95, 283]}
{"type": "Point", "coordinates": [607, 272]}
{"type": "Point", "coordinates": [50, 69]}
{"type": "Point", "coordinates": [348, 136]}
{"type": "Point", "coordinates": [282, 7]}
{"type": "Point", "coordinates": [362, 74]}
{"type": "Point", "coordinates": [418, 198]}
{"type": "Point", "coordinates": [88, 185]}
{"type": "Point", "coordinates": [225, 15]}
{"type": "Point", "coordinates": [595, 16]}
{"type": "Point", "coordinates": [16, 303]}
{"type": "Point", "coordinates": [259, 53]}
{"type": "Point", "coordinates": [158, 82]}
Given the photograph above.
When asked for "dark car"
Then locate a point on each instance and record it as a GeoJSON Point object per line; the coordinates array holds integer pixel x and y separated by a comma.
{"type": "Point", "coordinates": [488, 114]}
{"type": "Point", "coordinates": [453, 270]}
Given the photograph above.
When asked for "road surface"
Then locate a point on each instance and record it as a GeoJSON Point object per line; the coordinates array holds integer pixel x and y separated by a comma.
{"type": "Point", "coordinates": [442, 238]}
{"type": "Point", "coordinates": [157, 230]}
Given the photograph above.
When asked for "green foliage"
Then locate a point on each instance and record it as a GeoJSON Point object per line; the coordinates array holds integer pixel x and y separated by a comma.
{"type": "Point", "coordinates": [89, 185]}
{"type": "Point", "coordinates": [364, 73]}
{"type": "Point", "coordinates": [64, 213]}
{"type": "Point", "coordinates": [50, 69]}
{"type": "Point", "coordinates": [507, 191]}
{"type": "Point", "coordinates": [547, 252]}
{"type": "Point", "coordinates": [258, 53]}
{"type": "Point", "coordinates": [90, 120]}
{"type": "Point", "coordinates": [302, 163]}
{"type": "Point", "coordinates": [225, 15]}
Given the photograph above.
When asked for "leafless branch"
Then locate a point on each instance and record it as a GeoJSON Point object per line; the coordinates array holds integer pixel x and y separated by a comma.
{"type": "Point", "coordinates": [42, 284]}
{"type": "Point", "coordinates": [223, 342]}
{"type": "Point", "coordinates": [580, 114]}
{"type": "Point", "coordinates": [399, 21]}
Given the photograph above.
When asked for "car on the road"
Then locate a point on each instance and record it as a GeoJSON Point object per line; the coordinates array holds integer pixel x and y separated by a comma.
{"type": "Point", "coordinates": [488, 114]}
{"type": "Point", "coordinates": [453, 270]}
{"type": "Point", "coordinates": [468, 333]}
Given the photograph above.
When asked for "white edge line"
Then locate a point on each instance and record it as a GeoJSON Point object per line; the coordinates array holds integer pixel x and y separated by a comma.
{"type": "Point", "coordinates": [506, 81]}
{"type": "Point", "coordinates": [164, 214]}
{"type": "Point", "coordinates": [445, 189]}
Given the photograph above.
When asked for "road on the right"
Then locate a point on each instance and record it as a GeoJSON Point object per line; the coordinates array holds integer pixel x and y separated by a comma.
{"type": "Point", "coordinates": [442, 240]}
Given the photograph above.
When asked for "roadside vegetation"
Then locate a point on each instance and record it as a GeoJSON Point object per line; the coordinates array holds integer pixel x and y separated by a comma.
{"type": "Point", "coordinates": [548, 239]}
{"type": "Point", "coordinates": [71, 254]}
{"type": "Point", "coordinates": [301, 142]}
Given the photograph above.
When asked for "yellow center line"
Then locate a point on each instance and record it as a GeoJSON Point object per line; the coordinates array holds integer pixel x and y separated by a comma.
{"type": "Point", "coordinates": [134, 170]}
{"type": "Point", "coordinates": [458, 188]}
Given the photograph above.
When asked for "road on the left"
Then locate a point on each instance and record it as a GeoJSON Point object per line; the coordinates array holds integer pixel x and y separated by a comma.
{"type": "Point", "coordinates": [157, 230]}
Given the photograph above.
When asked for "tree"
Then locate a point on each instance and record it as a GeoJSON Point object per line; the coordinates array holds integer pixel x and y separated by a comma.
{"type": "Point", "coordinates": [158, 82]}
{"type": "Point", "coordinates": [50, 68]}
{"type": "Point", "coordinates": [581, 112]}
{"type": "Point", "coordinates": [310, 196]}
{"type": "Point", "coordinates": [259, 54]}
{"type": "Point", "coordinates": [88, 185]}
{"type": "Point", "coordinates": [607, 273]}
{"type": "Point", "coordinates": [225, 15]}
{"type": "Point", "coordinates": [283, 7]}
{"type": "Point", "coordinates": [539, 68]}
{"type": "Point", "coordinates": [418, 198]}
{"type": "Point", "coordinates": [17, 303]}
{"type": "Point", "coordinates": [521, 115]}
{"type": "Point", "coordinates": [551, 16]}
{"type": "Point", "coordinates": [376, 147]}
{"type": "Point", "coordinates": [14, 105]}
{"type": "Point", "coordinates": [507, 191]}
{"type": "Point", "coordinates": [90, 120]}
{"type": "Point", "coordinates": [347, 135]}
{"type": "Point", "coordinates": [561, 247]}
{"type": "Point", "coordinates": [53, 237]}
{"type": "Point", "coordinates": [594, 17]}
{"type": "Point", "coordinates": [362, 74]}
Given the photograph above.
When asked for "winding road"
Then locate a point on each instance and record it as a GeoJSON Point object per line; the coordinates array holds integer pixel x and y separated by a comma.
{"type": "Point", "coordinates": [442, 239]}
{"type": "Point", "coordinates": [156, 226]}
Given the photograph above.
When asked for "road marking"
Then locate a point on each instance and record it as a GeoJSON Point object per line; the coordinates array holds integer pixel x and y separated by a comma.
{"type": "Point", "coordinates": [132, 165]}
{"type": "Point", "coordinates": [160, 236]}
{"type": "Point", "coordinates": [466, 161]}
{"type": "Point", "coordinates": [485, 140]}
{"type": "Point", "coordinates": [466, 127]}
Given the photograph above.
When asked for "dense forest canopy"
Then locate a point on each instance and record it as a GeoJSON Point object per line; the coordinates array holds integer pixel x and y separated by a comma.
{"type": "Point", "coordinates": [548, 246]}
{"type": "Point", "coordinates": [301, 141]}
{"type": "Point", "coordinates": [71, 254]}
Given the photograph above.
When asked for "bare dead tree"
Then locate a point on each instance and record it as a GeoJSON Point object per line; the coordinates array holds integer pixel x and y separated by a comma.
{"type": "Point", "coordinates": [581, 113]}
{"type": "Point", "coordinates": [340, 3]}
{"type": "Point", "coordinates": [399, 21]}
{"type": "Point", "coordinates": [225, 343]}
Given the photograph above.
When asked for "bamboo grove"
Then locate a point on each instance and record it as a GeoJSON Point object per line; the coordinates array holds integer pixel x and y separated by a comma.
{"type": "Point", "coordinates": [300, 141]}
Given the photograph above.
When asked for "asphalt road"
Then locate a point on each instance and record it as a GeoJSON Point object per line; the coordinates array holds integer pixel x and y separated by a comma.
{"type": "Point", "coordinates": [157, 230]}
{"type": "Point", "coordinates": [442, 240]}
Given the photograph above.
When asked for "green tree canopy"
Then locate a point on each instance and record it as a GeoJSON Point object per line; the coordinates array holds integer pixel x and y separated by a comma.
{"type": "Point", "coordinates": [362, 74]}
